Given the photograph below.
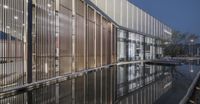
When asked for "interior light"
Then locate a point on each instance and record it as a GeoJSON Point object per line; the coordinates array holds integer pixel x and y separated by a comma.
{"type": "Point", "coordinates": [15, 17]}
{"type": "Point", "coordinates": [5, 6]}
{"type": "Point", "coordinates": [7, 27]}
{"type": "Point", "coordinates": [49, 5]}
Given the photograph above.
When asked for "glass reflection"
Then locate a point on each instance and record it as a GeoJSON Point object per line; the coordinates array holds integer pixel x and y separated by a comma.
{"type": "Point", "coordinates": [136, 83]}
{"type": "Point", "coordinates": [141, 83]}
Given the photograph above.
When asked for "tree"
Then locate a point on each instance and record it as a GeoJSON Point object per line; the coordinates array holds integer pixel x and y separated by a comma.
{"type": "Point", "coordinates": [178, 41]}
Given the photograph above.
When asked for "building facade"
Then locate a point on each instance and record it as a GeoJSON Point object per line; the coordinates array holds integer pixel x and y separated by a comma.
{"type": "Point", "coordinates": [49, 41]}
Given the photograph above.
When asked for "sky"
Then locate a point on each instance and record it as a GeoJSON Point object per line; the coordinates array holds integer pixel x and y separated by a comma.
{"type": "Point", "coordinates": [181, 15]}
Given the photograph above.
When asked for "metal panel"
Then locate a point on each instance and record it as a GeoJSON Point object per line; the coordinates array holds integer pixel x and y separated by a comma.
{"type": "Point", "coordinates": [151, 22]}
{"type": "Point", "coordinates": [139, 20]}
{"type": "Point", "coordinates": [90, 38]}
{"type": "Point", "coordinates": [98, 39]}
{"type": "Point", "coordinates": [45, 44]}
{"type": "Point", "coordinates": [134, 16]}
{"type": "Point", "coordinates": [157, 28]}
{"type": "Point", "coordinates": [114, 44]}
{"type": "Point", "coordinates": [80, 42]}
{"type": "Point", "coordinates": [65, 40]}
{"type": "Point", "coordinates": [124, 13]}
{"type": "Point", "coordinates": [154, 27]}
{"type": "Point", "coordinates": [106, 35]}
{"type": "Point", "coordinates": [130, 15]}
{"type": "Point", "coordinates": [110, 8]}
{"type": "Point", "coordinates": [142, 21]}
{"type": "Point", "coordinates": [12, 71]}
{"type": "Point", "coordinates": [101, 4]}
{"type": "Point", "coordinates": [146, 23]}
{"type": "Point", "coordinates": [118, 11]}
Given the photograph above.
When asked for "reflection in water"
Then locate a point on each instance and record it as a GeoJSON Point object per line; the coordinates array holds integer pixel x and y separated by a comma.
{"type": "Point", "coordinates": [142, 84]}
{"type": "Point", "coordinates": [183, 76]}
{"type": "Point", "coordinates": [125, 84]}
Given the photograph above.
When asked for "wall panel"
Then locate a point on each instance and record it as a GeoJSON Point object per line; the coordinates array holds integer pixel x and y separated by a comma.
{"type": "Point", "coordinates": [98, 39]}
{"type": "Point", "coordinates": [90, 38]}
{"type": "Point", "coordinates": [142, 21]}
{"type": "Point", "coordinates": [124, 13]}
{"type": "Point", "coordinates": [45, 53]}
{"type": "Point", "coordinates": [117, 11]}
{"type": "Point", "coordinates": [110, 8]}
{"type": "Point", "coordinates": [65, 39]}
{"type": "Point", "coordinates": [80, 42]}
{"type": "Point", "coordinates": [106, 35]}
{"type": "Point", "coordinates": [12, 71]}
{"type": "Point", "coordinates": [114, 44]}
{"type": "Point", "coordinates": [134, 16]}
{"type": "Point", "coordinates": [130, 15]}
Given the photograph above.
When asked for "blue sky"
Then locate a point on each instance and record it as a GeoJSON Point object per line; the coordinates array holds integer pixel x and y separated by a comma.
{"type": "Point", "coordinates": [182, 15]}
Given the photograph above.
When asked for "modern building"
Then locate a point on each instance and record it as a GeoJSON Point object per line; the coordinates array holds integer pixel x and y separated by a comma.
{"type": "Point", "coordinates": [82, 44]}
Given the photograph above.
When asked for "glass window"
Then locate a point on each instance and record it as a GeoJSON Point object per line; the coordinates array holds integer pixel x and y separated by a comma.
{"type": "Point", "coordinates": [12, 71]}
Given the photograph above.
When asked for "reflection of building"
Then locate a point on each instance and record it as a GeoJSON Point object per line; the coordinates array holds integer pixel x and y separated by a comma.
{"type": "Point", "coordinates": [149, 81]}
{"type": "Point", "coordinates": [61, 37]}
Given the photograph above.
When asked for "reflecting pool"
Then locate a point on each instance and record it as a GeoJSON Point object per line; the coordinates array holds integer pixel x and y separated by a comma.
{"type": "Point", "coordinates": [136, 83]}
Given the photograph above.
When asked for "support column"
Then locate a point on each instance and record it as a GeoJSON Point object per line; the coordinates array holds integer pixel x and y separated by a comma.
{"type": "Point", "coordinates": [73, 47]}
{"type": "Point", "coordinates": [29, 43]}
{"type": "Point", "coordinates": [57, 94]}
{"type": "Point", "coordinates": [29, 50]}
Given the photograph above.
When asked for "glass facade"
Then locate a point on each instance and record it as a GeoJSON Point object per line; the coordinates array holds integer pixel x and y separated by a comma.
{"type": "Point", "coordinates": [69, 51]}
{"type": "Point", "coordinates": [12, 55]}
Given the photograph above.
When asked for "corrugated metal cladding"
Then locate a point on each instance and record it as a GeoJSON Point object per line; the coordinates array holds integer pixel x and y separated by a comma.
{"type": "Point", "coordinates": [127, 15]}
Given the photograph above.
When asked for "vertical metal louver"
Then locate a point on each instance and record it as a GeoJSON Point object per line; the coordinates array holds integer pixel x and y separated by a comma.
{"type": "Point", "coordinates": [90, 38]}
{"type": "Point", "coordinates": [12, 72]}
{"type": "Point", "coordinates": [44, 46]}
{"type": "Point", "coordinates": [80, 48]}
{"type": "Point", "coordinates": [65, 36]}
{"type": "Point", "coordinates": [98, 40]}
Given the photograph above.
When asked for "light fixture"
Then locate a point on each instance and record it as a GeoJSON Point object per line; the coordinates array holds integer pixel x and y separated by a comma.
{"type": "Point", "coordinates": [191, 40]}
{"type": "Point", "coordinates": [49, 5]}
{"type": "Point", "coordinates": [15, 17]}
{"type": "Point", "coordinates": [5, 6]}
{"type": "Point", "coordinates": [7, 27]}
